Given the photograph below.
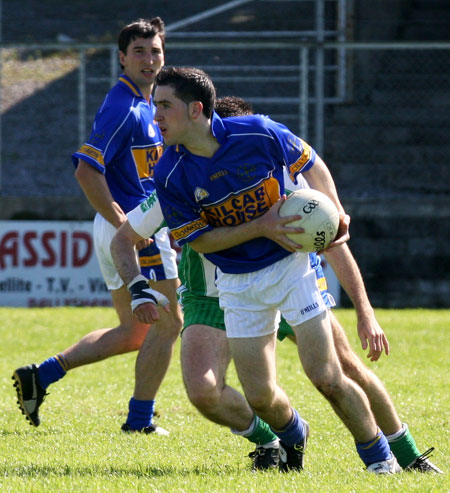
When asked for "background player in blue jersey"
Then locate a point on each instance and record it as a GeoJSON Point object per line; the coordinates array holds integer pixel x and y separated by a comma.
{"type": "Point", "coordinates": [115, 169]}
{"type": "Point", "coordinates": [213, 181]}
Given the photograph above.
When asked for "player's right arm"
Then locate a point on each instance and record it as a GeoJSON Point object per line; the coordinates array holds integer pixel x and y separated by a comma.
{"type": "Point", "coordinates": [107, 144]}
{"type": "Point", "coordinates": [124, 254]}
{"type": "Point", "coordinates": [95, 188]}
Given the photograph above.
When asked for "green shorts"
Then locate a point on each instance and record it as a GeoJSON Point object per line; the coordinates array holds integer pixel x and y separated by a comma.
{"type": "Point", "coordinates": [284, 330]}
{"type": "Point", "coordinates": [205, 310]}
{"type": "Point", "coordinates": [201, 310]}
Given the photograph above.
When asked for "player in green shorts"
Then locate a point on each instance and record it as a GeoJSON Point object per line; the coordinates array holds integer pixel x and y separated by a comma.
{"type": "Point", "coordinates": [205, 354]}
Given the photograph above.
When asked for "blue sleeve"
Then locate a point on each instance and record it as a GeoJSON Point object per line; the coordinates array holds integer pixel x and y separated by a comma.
{"type": "Point", "coordinates": [298, 155]}
{"type": "Point", "coordinates": [112, 129]}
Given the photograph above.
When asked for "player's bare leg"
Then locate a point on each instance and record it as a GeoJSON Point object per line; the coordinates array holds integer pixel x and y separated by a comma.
{"type": "Point", "coordinates": [32, 381]}
{"type": "Point", "coordinates": [380, 402]}
{"type": "Point", "coordinates": [254, 359]}
{"type": "Point", "coordinates": [156, 351]}
{"type": "Point", "coordinates": [205, 356]}
{"type": "Point", "coordinates": [319, 359]}
{"type": "Point", "coordinates": [400, 439]}
{"type": "Point", "coordinates": [320, 362]}
{"type": "Point", "coordinates": [104, 343]}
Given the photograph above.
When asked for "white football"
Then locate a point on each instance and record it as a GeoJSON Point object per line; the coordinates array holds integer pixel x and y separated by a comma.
{"type": "Point", "coordinates": [320, 218]}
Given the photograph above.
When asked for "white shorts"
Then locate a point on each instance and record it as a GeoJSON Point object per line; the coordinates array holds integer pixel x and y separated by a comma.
{"type": "Point", "coordinates": [158, 262]}
{"type": "Point", "coordinates": [253, 302]}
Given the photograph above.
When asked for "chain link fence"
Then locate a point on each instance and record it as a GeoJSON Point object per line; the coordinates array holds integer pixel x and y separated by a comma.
{"type": "Point", "coordinates": [390, 137]}
{"type": "Point", "coordinates": [379, 114]}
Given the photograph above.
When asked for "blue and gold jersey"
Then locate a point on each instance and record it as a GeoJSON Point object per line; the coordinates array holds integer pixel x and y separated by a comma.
{"type": "Point", "coordinates": [240, 182]}
{"type": "Point", "coordinates": [125, 144]}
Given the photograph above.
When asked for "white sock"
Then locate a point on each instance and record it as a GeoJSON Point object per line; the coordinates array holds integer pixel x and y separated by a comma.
{"type": "Point", "coordinates": [249, 430]}
{"type": "Point", "coordinates": [397, 434]}
{"type": "Point", "coordinates": [274, 444]}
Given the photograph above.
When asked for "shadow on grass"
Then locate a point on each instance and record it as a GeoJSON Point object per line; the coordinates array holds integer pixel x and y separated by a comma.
{"type": "Point", "coordinates": [36, 471]}
{"type": "Point", "coordinates": [31, 430]}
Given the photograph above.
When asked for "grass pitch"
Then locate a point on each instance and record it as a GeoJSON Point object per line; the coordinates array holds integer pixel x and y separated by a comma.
{"type": "Point", "coordinates": [79, 446]}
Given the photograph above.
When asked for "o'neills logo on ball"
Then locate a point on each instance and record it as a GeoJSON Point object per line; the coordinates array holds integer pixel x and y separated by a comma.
{"type": "Point", "coordinates": [310, 206]}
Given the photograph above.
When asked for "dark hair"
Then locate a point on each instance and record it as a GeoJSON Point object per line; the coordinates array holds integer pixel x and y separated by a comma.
{"type": "Point", "coordinates": [190, 84]}
{"type": "Point", "coordinates": [142, 28]}
{"type": "Point", "coordinates": [232, 106]}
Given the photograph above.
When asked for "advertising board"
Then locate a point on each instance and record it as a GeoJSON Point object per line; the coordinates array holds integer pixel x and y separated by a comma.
{"type": "Point", "coordinates": [49, 263]}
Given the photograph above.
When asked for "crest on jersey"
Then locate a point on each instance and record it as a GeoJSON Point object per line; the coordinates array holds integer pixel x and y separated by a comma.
{"type": "Point", "coordinates": [200, 194]}
{"type": "Point", "coordinates": [246, 172]}
{"type": "Point", "coordinates": [151, 130]}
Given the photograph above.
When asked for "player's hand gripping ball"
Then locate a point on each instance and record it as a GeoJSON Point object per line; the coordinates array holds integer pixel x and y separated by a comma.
{"type": "Point", "coordinates": [320, 218]}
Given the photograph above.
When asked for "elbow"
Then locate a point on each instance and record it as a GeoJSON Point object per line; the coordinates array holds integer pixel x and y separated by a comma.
{"type": "Point", "coordinates": [84, 172]}
{"type": "Point", "coordinates": [77, 174]}
{"type": "Point", "coordinates": [199, 246]}
{"type": "Point", "coordinates": [81, 175]}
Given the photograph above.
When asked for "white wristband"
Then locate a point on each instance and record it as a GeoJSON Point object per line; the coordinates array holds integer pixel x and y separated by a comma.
{"type": "Point", "coordinates": [138, 278]}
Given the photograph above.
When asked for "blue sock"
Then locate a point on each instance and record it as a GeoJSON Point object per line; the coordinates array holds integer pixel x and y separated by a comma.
{"type": "Point", "coordinates": [140, 413]}
{"type": "Point", "coordinates": [294, 432]}
{"type": "Point", "coordinates": [375, 450]}
{"type": "Point", "coordinates": [51, 370]}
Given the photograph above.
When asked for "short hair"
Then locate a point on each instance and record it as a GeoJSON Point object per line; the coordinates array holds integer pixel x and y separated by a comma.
{"type": "Point", "coordinates": [142, 28]}
{"type": "Point", "coordinates": [232, 106]}
{"type": "Point", "coordinates": [190, 84]}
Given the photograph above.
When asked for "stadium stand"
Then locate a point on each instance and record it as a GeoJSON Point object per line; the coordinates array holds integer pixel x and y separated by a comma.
{"type": "Point", "coordinates": [385, 139]}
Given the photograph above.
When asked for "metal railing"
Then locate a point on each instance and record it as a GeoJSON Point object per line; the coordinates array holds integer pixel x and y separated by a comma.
{"type": "Point", "coordinates": [298, 69]}
{"type": "Point", "coordinates": [279, 78]}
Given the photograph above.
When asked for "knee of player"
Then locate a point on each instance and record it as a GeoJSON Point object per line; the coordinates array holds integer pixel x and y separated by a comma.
{"type": "Point", "coordinates": [260, 398]}
{"type": "Point", "coordinates": [204, 395]}
{"type": "Point", "coordinates": [169, 327]}
{"type": "Point", "coordinates": [328, 381]}
{"type": "Point", "coordinates": [354, 369]}
{"type": "Point", "coordinates": [177, 321]}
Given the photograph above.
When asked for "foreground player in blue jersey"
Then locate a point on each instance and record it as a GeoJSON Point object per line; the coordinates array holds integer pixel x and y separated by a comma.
{"type": "Point", "coordinates": [205, 354]}
{"type": "Point", "coordinates": [216, 177]}
{"type": "Point", "coordinates": [115, 169]}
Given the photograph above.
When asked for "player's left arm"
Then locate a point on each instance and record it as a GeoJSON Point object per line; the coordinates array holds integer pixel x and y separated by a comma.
{"type": "Point", "coordinates": [349, 275]}
{"type": "Point", "coordinates": [270, 225]}
{"type": "Point", "coordinates": [319, 177]}
{"type": "Point", "coordinates": [144, 300]}
{"type": "Point", "coordinates": [187, 224]}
